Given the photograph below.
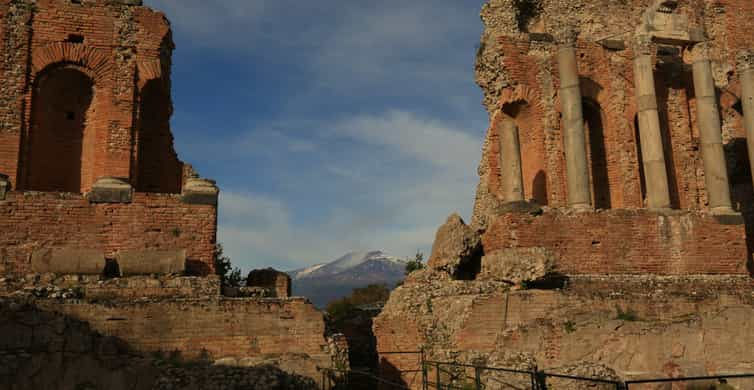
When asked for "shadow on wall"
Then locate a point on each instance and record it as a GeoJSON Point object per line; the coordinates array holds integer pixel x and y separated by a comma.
{"type": "Point", "coordinates": [392, 374]}
{"type": "Point", "coordinates": [75, 357]}
{"type": "Point", "coordinates": [539, 188]}
{"type": "Point", "coordinates": [742, 189]}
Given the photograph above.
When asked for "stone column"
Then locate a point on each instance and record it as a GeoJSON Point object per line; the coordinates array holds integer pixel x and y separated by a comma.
{"type": "Point", "coordinates": [746, 74]}
{"type": "Point", "coordinates": [574, 137]}
{"type": "Point", "coordinates": [510, 161]}
{"type": "Point", "coordinates": [655, 173]}
{"type": "Point", "coordinates": [708, 118]}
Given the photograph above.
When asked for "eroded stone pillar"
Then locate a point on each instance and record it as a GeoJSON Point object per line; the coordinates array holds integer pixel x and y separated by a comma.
{"type": "Point", "coordinates": [574, 137]}
{"type": "Point", "coordinates": [708, 119]}
{"type": "Point", "coordinates": [655, 173]}
{"type": "Point", "coordinates": [510, 161]}
{"type": "Point", "coordinates": [746, 74]}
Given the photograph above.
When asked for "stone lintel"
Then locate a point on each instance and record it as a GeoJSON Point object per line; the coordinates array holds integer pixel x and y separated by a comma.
{"type": "Point", "coordinates": [613, 44]}
{"type": "Point", "coordinates": [68, 261]}
{"type": "Point", "coordinates": [146, 262]}
{"type": "Point", "coordinates": [111, 190]}
{"type": "Point", "coordinates": [200, 191]}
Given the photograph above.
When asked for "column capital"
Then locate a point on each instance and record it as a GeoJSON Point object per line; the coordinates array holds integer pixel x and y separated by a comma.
{"type": "Point", "coordinates": [701, 52]}
{"type": "Point", "coordinates": [745, 60]}
{"type": "Point", "coordinates": [642, 44]}
{"type": "Point", "coordinates": [566, 35]}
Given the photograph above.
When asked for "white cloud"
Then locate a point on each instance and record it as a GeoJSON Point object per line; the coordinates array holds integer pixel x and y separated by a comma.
{"type": "Point", "coordinates": [423, 139]}
{"type": "Point", "coordinates": [398, 212]}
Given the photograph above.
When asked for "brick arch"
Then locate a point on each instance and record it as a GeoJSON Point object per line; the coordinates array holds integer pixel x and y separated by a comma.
{"type": "Point", "coordinates": [94, 62]}
{"type": "Point", "coordinates": [59, 146]}
{"type": "Point", "coordinates": [148, 70]}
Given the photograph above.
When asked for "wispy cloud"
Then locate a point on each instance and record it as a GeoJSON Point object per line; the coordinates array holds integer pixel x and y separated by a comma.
{"type": "Point", "coordinates": [358, 126]}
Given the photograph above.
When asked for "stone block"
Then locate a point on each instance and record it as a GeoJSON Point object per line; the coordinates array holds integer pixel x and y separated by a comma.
{"type": "Point", "coordinates": [151, 262]}
{"type": "Point", "coordinates": [200, 191]}
{"type": "Point", "coordinates": [111, 190]}
{"type": "Point", "coordinates": [517, 265]}
{"type": "Point", "coordinates": [68, 261]}
{"type": "Point", "coordinates": [271, 279]}
{"type": "Point", "coordinates": [455, 246]}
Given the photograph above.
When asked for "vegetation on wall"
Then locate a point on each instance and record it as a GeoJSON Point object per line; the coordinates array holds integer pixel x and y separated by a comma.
{"type": "Point", "coordinates": [229, 276]}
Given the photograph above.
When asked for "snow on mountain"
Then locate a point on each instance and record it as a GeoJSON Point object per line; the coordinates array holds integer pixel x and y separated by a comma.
{"type": "Point", "coordinates": [323, 283]}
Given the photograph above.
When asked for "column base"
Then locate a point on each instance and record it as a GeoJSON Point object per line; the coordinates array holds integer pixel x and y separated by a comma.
{"type": "Point", "coordinates": [582, 207]}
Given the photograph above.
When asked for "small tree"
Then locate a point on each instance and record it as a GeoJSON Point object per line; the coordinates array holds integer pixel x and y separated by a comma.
{"type": "Point", "coordinates": [229, 276]}
{"type": "Point", "coordinates": [416, 264]}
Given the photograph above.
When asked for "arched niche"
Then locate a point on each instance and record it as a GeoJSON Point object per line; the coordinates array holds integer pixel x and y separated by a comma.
{"type": "Point", "coordinates": [532, 149]}
{"type": "Point", "coordinates": [61, 138]}
{"type": "Point", "coordinates": [594, 121]}
{"type": "Point", "coordinates": [159, 169]}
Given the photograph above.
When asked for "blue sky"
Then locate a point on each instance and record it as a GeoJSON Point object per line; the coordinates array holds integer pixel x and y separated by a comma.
{"type": "Point", "coordinates": [331, 125]}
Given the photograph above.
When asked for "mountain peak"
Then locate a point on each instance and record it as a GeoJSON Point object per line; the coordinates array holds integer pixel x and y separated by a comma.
{"type": "Point", "coordinates": [324, 282]}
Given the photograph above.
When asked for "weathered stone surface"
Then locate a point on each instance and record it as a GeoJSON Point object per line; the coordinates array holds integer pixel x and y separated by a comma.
{"type": "Point", "coordinates": [68, 261]}
{"type": "Point", "coordinates": [200, 191]}
{"type": "Point", "coordinates": [152, 262]}
{"type": "Point", "coordinates": [4, 186]}
{"type": "Point", "coordinates": [278, 283]}
{"type": "Point", "coordinates": [517, 265]}
{"type": "Point", "coordinates": [456, 245]}
{"type": "Point", "coordinates": [111, 190]}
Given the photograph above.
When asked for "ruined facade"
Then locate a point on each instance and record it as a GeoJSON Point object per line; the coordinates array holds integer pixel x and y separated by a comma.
{"type": "Point", "coordinates": [615, 174]}
{"type": "Point", "coordinates": [87, 158]}
{"type": "Point", "coordinates": [108, 240]}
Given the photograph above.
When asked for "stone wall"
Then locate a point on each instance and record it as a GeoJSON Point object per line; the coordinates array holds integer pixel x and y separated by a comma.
{"type": "Point", "coordinates": [38, 220]}
{"type": "Point", "coordinates": [639, 326]}
{"type": "Point", "coordinates": [42, 349]}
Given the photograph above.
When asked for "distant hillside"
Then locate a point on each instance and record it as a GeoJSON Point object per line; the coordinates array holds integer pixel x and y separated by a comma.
{"type": "Point", "coordinates": [323, 283]}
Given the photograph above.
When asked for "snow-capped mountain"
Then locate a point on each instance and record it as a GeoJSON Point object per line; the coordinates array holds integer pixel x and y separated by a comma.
{"type": "Point", "coordinates": [323, 283]}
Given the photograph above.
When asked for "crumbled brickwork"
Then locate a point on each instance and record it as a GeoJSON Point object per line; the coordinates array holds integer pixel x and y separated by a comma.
{"type": "Point", "coordinates": [639, 326]}
{"type": "Point", "coordinates": [634, 293]}
{"type": "Point", "coordinates": [112, 60]}
{"type": "Point", "coordinates": [86, 95]}
{"type": "Point", "coordinates": [516, 65]}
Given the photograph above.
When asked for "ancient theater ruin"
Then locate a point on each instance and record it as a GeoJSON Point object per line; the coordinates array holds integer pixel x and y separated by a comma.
{"type": "Point", "coordinates": [613, 225]}
{"type": "Point", "coordinates": [107, 239]}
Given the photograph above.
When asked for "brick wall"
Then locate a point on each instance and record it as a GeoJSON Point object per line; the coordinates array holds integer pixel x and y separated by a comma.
{"type": "Point", "coordinates": [627, 241]}
{"type": "Point", "coordinates": [36, 220]}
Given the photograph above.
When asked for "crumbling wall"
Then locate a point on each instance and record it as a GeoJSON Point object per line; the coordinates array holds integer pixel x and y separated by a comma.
{"type": "Point", "coordinates": [639, 326]}
{"type": "Point", "coordinates": [279, 283]}
{"type": "Point", "coordinates": [124, 49]}
{"type": "Point", "coordinates": [42, 349]}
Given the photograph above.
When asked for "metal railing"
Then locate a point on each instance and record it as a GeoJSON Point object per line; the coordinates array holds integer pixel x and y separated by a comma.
{"type": "Point", "coordinates": [633, 384]}
{"type": "Point", "coordinates": [455, 377]}
{"type": "Point", "coordinates": [437, 375]}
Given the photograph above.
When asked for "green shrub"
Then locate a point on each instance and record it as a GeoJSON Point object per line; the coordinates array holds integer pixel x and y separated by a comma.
{"type": "Point", "coordinates": [416, 263]}
{"type": "Point", "coordinates": [626, 315]}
